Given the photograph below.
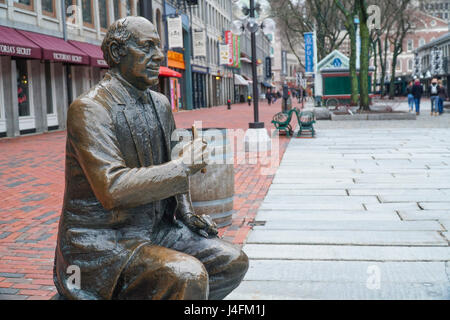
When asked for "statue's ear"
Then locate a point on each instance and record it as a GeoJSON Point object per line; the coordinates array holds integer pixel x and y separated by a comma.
{"type": "Point", "coordinates": [116, 51]}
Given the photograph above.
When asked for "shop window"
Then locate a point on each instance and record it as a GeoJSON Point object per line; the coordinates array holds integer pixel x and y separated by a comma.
{"type": "Point", "coordinates": [88, 13]}
{"type": "Point", "coordinates": [24, 4]}
{"type": "Point", "coordinates": [122, 8]}
{"type": "Point", "coordinates": [48, 8]}
{"type": "Point", "coordinates": [48, 88]}
{"type": "Point", "coordinates": [138, 8]}
{"type": "Point", "coordinates": [23, 88]}
{"type": "Point", "coordinates": [103, 6]}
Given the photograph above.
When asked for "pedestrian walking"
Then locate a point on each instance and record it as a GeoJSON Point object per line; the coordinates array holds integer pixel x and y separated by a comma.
{"type": "Point", "coordinates": [434, 96]}
{"type": "Point", "coordinates": [410, 96]}
{"type": "Point", "coordinates": [443, 95]}
{"type": "Point", "coordinates": [269, 96]}
{"type": "Point", "coordinates": [417, 92]}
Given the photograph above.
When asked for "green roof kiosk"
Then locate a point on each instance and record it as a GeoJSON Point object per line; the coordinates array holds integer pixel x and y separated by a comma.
{"type": "Point", "coordinates": [334, 74]}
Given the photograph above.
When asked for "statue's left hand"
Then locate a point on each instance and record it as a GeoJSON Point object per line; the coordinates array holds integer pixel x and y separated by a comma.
{"type": "Point", "coordinates": [203, 225]}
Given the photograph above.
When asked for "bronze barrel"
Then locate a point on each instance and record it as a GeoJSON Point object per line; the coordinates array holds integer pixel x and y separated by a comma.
{"type": "Point", "coordinates": [212, 192]}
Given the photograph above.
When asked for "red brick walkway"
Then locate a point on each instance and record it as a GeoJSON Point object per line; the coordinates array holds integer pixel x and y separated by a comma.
{"type": "Point", "coordinates": [32, 187]}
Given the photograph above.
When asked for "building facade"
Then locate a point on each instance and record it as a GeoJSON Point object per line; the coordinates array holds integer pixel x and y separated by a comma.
{"type": "Point", "coordinates": [424, 54]}
{"type": "Point", "coordinates": [49, 55]}
{"type": "Point", "coordinates": [437, 8]}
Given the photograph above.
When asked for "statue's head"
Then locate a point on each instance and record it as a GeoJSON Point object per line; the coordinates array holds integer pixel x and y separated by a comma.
{"type": "Point", "coordinates": [131, 47]}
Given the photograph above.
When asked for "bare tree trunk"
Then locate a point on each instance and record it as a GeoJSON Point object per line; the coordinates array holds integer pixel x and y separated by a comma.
{"type": "Point", "coordinates": [364, 67]}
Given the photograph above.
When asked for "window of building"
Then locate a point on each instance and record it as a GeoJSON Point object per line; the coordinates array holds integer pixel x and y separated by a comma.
{"type": "Point", "coordinates": [24, 4]}
{"type": "Point", "coordinates": [23, 88]}
{"type": "Point", "coordinates": [71, 11]}
{"type": "Point", "coordinates": [88, 13]}
{"type": "Point", "coordinates": [421, 42]}
{"type": "Point", "coordinates": [138, 7]}
{"type": "Point", "coordinates": [122, 8]}
{"type": "Point", "coordinates": [48, 8]}
{"type": "Point", "coordinates": [48, 87]}
{"type": "Point", "coordinates": [103, 6]}
{"type": "Point", "coordinates": [410, 64]}
{"type": "Point", "coordinates": [410, 45]}
{"type": "Point", "coordinates": [158, 23]}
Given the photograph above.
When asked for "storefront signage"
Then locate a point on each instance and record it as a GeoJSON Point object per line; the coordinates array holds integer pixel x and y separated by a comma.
{"type": "Point", "coordinates": [15, 50]}
{"type": "Point", "coordinates": [234, 48]}
{"type": "Point", "coordinates": [199, 43]}
{"type": "Point", "coordinates": [175, 31]}
{"type": "Point", "coordinates": [309, 52]}
{"type": "Point", "coordinates": [67, 57]}
{"type": "Point", "coordinates": [175, 60]}
{"type": "Point", "coordinates": [224, 52]}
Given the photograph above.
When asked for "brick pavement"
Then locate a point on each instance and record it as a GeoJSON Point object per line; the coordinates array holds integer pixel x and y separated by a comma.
{"type": "Point", "coordinates": [31, 194]}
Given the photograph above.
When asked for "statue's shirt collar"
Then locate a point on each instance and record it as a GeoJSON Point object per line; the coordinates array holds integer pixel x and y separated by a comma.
{"type": "Point", "coordinates": [130, 90]}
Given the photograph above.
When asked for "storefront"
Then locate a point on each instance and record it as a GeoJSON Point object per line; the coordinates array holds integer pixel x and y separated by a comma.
{"type": "Point", "coordinates": [199, 74]}
{"type": "Point", "coordinates": [174, 94]}
{"type": "Point", "coordinates": [40, 76]}
{"type": "Point", "coordinates": [175, 61]}
{"type": "Point", "coordinates": [240, 89]}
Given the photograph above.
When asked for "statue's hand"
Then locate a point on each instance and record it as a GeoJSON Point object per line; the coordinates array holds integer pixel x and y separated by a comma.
{"type": "Point", "coordinates": [203, 225]}
{"type": "Point", "coordinates": [195, 156]}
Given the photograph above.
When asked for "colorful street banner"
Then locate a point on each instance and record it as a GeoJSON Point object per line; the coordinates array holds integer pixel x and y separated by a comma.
{"type": "Point", "coordinates": [309, 52]}
{"type": "Point", "coordinates": [234, 44]}
{"type": "Point", "coordinates": [224, 54]}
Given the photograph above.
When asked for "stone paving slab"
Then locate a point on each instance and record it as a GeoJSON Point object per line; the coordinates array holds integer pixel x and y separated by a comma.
{"type": "Point", "coordinates": [388, 238]}
{"type": "Point", "coordinates": [351, 225]}
{"type": "Point", "coordinates": [421, 198]}
{"type": "Point", "coordinates": [435, 205]}
{"type": "Point", "coordinates": [306, 192]}
{"type": "Point", "coordinates": [314, 290]}
{"type": "Point", "coordinates": [313, 199]}
{"type": "Point", "coordinates": [320, 215]}
{"type": "Point", "coordinates": [346, 253]}
{"type": "Point", "coordinates": [399, 192]}
{"type": "Point", "coordinates": [425, 214]}
{"type": "Point", "coordinates": [344, 205]}
{"type": "Point", "coordinates": [347, 271]}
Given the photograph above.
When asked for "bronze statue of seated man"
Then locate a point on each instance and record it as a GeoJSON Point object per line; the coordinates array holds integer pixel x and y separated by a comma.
{"type": "Point", "coordinates": [127, 221]}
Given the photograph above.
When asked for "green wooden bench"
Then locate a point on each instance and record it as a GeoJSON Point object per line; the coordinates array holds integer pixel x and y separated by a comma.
{"type": "Point", "coordinates": [306, 120]}
{"type": "Point", "coordinates": [282, 121]}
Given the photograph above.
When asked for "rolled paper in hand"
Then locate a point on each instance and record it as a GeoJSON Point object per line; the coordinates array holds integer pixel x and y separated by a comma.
{"type": "Point", "coordinates": [195, 136]}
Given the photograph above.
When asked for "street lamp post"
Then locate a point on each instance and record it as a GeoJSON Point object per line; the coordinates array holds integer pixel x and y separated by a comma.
{"type": "Point", "coordinates": [248, 21]}
{"type": "Point", "coordinates": [256, 124]}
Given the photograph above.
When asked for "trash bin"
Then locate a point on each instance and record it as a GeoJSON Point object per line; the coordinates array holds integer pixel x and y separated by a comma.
{"type": "Point", "coordinates": [212, 193]}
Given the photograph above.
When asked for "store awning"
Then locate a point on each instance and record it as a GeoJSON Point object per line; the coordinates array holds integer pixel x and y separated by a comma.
{"type": "Point", "coordinates": [247, 60]}
{"type": "Point", "coordinates": [56, 49]}
{"type": "Point", "coordinates": [239, 80]}
{"type": "Point", "coordinates": [94, 52]}
{"type": "Point", "coordinates": [250, 81]}
{"type": "Point", "coordinates": [167, 72]}
{"type": "Point", "coordinates": [12, 43]}
{"type": "Point", "coordinates": [266, 84]}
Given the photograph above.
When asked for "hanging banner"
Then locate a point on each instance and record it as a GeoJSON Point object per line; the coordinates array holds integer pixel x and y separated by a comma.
{"type": "Point", "coordinates": [234, 44]}
{"type": "Point", "coordinates": [284, 63]}
{"type": "Point", "coordinates": [238, 51]}
{"type": "Point", "coordinates": [199, 43]}
{"type": "Point", "coordinates": [309, 52]}
{"type": "Point", "coordinates": [268, 68]}
{"type": "Point", "coordinates": [175, 31]}
{"type": "Point", "coordinates": [224, 54]}
{"type": "Point", "coordinates": [229, 41]}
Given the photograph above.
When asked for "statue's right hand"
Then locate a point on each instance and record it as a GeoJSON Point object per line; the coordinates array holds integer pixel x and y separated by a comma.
{"type": "Point", "coordinates": [195, 155]}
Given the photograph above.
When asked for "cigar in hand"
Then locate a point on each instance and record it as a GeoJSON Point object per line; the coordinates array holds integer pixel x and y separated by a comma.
{"type": "Point", "coordinates": [195, 136]}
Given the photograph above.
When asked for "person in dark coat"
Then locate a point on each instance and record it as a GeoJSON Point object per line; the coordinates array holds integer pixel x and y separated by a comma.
{"type": "Point", "coordinates": [443, 95]}
{"type": "Point", "coordinates": [417, 91]}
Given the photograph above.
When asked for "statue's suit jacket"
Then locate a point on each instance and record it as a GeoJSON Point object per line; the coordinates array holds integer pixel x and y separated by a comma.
{"type": "Point", "coordinates": [110, 186]}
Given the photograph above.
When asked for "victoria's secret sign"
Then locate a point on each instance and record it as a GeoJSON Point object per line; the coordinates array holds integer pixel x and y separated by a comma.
{"type": "Point", "coordinates": [67, 57]}
{"type": "Point", "coordinates": [15, 50]}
